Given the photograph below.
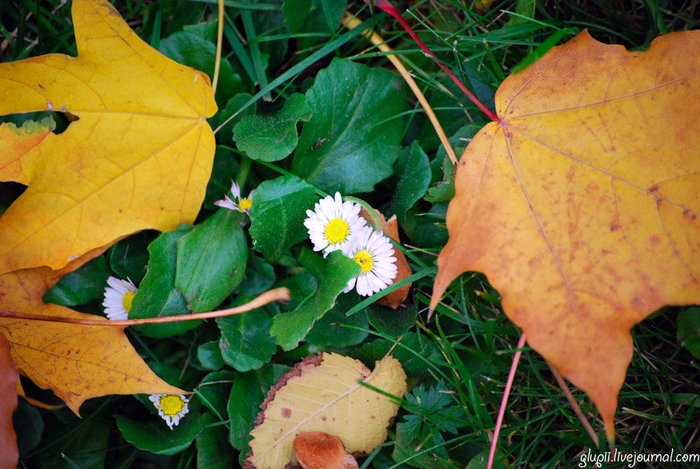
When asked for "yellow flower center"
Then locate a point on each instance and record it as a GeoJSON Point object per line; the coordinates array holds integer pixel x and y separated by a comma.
{"type": "Point", "coordinates": [364, 259]}
{"type": "Point", "coordinates": [127, 299]}
{"type": "Point", "coordinates": [337, 230]}
{"type": "Point", "coordinates": [171, 404]}
{"type": "Point", "coordinates": [245, 204]}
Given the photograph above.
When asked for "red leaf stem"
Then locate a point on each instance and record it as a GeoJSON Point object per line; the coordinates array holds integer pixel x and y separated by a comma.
{"type": "Point", "coordinates": [389, 8]}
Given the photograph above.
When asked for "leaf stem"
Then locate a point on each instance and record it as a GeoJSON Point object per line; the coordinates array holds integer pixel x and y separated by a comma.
{"type": "Point", "coordinates": [389, 8]}
{"type": "Point", "coordinates": [219, 42]}
{"type": "Point", "coordinates": [376, 220]}
{"type": "Point", "coordinates": [574, 405]}
{"type": "Point", "coordinates": [277, 294]}
{"type": "Point", "coordinates": [504, 400]}
{"type": "Point", "coordinates": [350, 22]}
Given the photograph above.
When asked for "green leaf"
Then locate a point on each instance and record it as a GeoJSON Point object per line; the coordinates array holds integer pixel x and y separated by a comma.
{"type": "Point", "coordinates": [414, 173]}
{"type": "Point", "coordinates": [247, 392]}
{"type": "Point", "coordinates": [278, 213]}
{"type": "Point", "coordinates": [211, 260]}
{"type": "Point", "coordinates": [153, 435]}
{"type": "Point", "coordinates": [352, 140]}
{"type": "Point", "coordinates": [191, 49]}
{"type": "Point", "coordinates": [128, 258]}
{"type": "Point", "coordinates": [80, 286]}
{"type": "Point", "coordinates": [393, 322]}
{"type": "Point", "coordinates": [209, 355]}
{"type": "Point", "coordinates": [414, 351]}
{"type": "Point", "coordinates": [329, 330]}
{"type": "Point", "coordinates": [213, 392]}
{"type": "Point", "coordinates": [271, 138]}
{"type": "Point", "coordinates": [245, 342]}
{"type": "Point", "coordinates": [291, 327]}
{"type": "Point", "coordinates": [232, 107]}
{"type": "Point", "coordinates": [157, 295]}
{"type": "Point", "coordinates": [213, 448]}
{"type": "Point", "coordinates": [313, 16]}
{"type": "Point", "coordinates": [688, 332]}
{"type": "Point", "coordinates": [28, 425]}
{"type": "Point", "coordinates": [259, 277]}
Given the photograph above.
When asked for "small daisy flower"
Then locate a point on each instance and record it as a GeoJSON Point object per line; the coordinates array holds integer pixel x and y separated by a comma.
{"type": "Point", "coordinates": [333, 223]}
{"type": "Point", "coordinates": [237, 203]}
{"type": "Point", "coordinates": [374, 253]}
{"type": "Point", "coordinates": [171, 407]}
{"type": "Point", "coordinates": [118, 297]}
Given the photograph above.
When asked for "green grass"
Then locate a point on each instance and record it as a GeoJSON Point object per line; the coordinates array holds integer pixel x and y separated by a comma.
{"type": "Point", "coordinates": [458, 362]}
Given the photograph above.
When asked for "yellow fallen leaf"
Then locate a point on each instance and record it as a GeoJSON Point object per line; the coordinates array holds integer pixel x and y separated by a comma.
{"type": "Point", "coordinates": [581, 205]}
{"type": "Point", "coordinates": [138, 156]}
{"type": "Point", "coordinates": [324, 394]}
{"type": "Point", "coordinates": [75, 361]}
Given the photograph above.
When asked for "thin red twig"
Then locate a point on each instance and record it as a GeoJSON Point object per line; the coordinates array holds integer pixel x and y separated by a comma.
{"type": "Point", "coordinates": [504, 401]}
{"type": "Point", "coordinates": [389, 8]}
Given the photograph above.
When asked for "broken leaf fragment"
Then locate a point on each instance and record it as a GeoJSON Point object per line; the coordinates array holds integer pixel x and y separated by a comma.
{"type": "Point", "coordinates": [138, 156]}
{"type": "Point", "coordinates": [343, 405]}
{"type": "Point", "coordinates": [318, 450]}
{"type": "Point", "coordinates": [581, 204]}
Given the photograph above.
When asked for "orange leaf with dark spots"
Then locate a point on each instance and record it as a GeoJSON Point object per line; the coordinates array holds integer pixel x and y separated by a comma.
{"type": "Point", "coordinates": [581, 204]}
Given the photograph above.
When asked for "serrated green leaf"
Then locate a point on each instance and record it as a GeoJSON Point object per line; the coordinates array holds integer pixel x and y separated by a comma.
{"type": "Point", "coordinates": [157, 295]}
{"type": "Point", "coordinates": [291, 327]}
{"type": "Point", "coordinates": [271, 138]}
{"type": "Point", "coordinates": [353, 138]}
{"type": "Point", "coordinates": [278, 213]}
{"type": "Point", "coordinates": [245, 342]}
{"type": "Point", "coordinates": [211, 260]}
{"type": "Point", "coordinates": [413, 169]}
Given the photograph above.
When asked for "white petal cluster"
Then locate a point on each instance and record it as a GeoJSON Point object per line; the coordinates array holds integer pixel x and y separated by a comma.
{"type": "Point", "coordinates": [236, 202]}
{"type": "Point", "coordinates": [336, 225]}
{"type": "Point", "coordinates": [333, 223]}
{"type": "Point", "coordinates": [171, 407]}
{"type": "Point", "coordinates": [117, 298]}
{"type": "Point", "coordinates": [375, 255]}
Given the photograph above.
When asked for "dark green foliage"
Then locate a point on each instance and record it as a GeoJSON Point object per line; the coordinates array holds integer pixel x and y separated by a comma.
{"type": "Point", "coordinates": [307, 108]}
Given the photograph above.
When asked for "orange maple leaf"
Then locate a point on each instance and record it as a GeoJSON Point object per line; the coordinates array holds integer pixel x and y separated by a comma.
{"type": "Point", "coordinates": [581, 205]}
{"type": "Point", "coordinates": [139, 156]}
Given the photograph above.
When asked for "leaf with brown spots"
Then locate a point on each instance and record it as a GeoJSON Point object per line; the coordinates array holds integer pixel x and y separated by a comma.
{"type": "Point", "coordinates": [75, 361]}
{"type": "Point", "coordinates": [326, 393]}
{"type": "Point", "coordinates": [581, 204]}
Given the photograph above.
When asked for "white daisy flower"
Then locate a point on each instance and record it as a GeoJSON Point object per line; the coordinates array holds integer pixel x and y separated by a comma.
{"type": "Point", "coordinates": [375, 254]}
{"type": "Point", "coordinates": [237, 203]}
{"type": "Point", "coordinates": [333, 223]}
{"type": "Point", "coordinates": [171, 407]}
{"type": "Point", "coordinates": [118, 297]}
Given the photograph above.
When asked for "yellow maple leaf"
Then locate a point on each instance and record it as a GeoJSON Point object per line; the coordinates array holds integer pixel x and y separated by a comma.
{"type": "Point", "coordinates": [75, 361]}
{"type": "Point", "coordinates": [341, 405]}
{"type": "Point", "coordinates": [139, 156]}
{"type": "Point", "coordinates": [581, 205]}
